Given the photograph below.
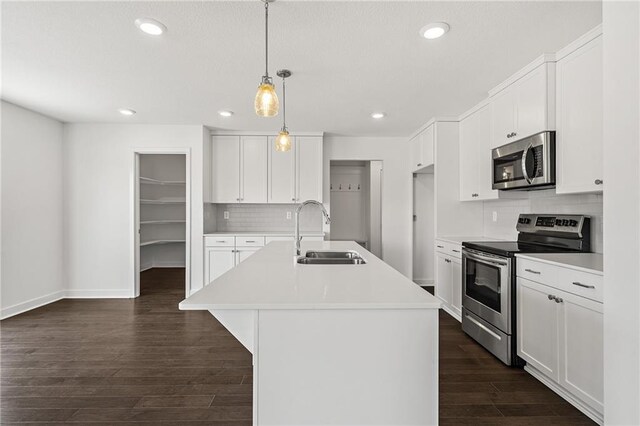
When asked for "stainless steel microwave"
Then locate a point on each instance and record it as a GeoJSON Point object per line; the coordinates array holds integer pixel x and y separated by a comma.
{"type": "Point", "coordinates": [529, 163]}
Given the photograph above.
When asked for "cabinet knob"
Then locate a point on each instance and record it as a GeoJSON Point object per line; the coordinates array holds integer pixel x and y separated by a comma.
{"type": "Point", "coordinates": [293, 199]}
{"type": "Point", "coordinates": [551, 297]}
{"type": "Point", "coordinates": [559, 300]}
{"type": "Point", "coordinates": [419, 164]}
{"type": "Point", "coordinates": [598, 181]}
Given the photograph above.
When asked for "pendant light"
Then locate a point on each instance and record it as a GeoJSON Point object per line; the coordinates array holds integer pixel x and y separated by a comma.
{"type": "Point", "coordinates": [283, 141]}
{"type": "Point", "coordinates": [266, 102]}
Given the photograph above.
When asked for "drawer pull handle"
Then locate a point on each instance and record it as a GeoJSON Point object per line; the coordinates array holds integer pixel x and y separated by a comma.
{"type": "Point", "coordinates": [440, 246]}
{"type": "Point", "coordinates": [218, 241]}
{"type": "Point", "coordinates": [579, 284]}
{"type": "Point", "coordinates": [559, 300]}
{"type": "Point", "coordinates": [456, 251]}
{"type": "Point", "coordinates": [532, 271]}
{"type": "Point", "coordinates": [551, 297]}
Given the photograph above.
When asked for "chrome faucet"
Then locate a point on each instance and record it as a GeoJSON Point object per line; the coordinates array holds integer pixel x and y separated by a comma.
{"type": "Point", "coordinates": [324, 212]}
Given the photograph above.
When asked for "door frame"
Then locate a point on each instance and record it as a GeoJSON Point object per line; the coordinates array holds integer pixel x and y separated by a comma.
{"type": "Point", "coordinates": [135, 214]}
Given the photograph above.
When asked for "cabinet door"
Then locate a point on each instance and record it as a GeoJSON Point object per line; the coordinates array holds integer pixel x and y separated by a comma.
{"type": "Point", "coordinates": [532, 104]}
{"type": "Point", "coordinates": [415, 148]}
{"type": "Point", "coordinates": [484, 161]}
{"type": "Point", "coordinates": [253, 181]}
{"type": "Point", "coordinates": [309, 168]}
{"type": "Point", "coordinates": [579, 120]}
{"type": "Point", "coordinates": [469, 160]}
{"type": "Point", "coordinates": [282, 180]}
{"type": "Point", "coordinates": [243, 253]}
{"type": "Point", "coordinates": [427, 138]}
{"type": "Point", "coordinates": [443, 278]}
{"type": "Point", "coordinates": [456, 285]}
{"type": "Point", "coordinates": [217, 262]}
{"type": "Point", "coordinates": [537, 325]}
{"type": "Point", "coordinates": [503, 117]}
{"type": "Point", "coordinates": [581, 352]}
{"type": "Point", "coordinates": [225, 169]}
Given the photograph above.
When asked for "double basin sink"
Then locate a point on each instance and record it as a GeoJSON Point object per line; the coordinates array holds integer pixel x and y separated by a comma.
{"type": "Point", "coordinates": [315, 257]}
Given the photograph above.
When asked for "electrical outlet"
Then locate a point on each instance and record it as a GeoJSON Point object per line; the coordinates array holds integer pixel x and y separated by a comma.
{"type": "Point", "coordinates": [288, 215]}
{"type": "Point", "coordinates": [226, 215]}
{"type": "Point", "coordinates": [495, 216]}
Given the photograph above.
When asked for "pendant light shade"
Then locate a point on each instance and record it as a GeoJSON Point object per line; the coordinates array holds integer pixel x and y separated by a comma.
{"type": "Point", "coordinates": [266, 102]}
{"type": "Point", "coordinates": [283, 140]}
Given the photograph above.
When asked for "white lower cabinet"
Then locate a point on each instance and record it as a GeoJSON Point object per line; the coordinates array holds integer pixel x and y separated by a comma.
{"type": "Point", "coordinates": [243, 253]}
{"type": "Point", "coordinates": [448, 287]}
{"type": "Point", "coordinates": [218, 260]}
{"type": "Point", "coordinates": [560, 335]}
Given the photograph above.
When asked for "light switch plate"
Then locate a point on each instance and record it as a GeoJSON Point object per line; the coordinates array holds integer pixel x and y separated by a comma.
{"type": "Point", "coordinates": [226, 215]}
{"type": "Point", "coordinates": [288, 215]}
{"type": "Point", "coordinates": [495, 216]}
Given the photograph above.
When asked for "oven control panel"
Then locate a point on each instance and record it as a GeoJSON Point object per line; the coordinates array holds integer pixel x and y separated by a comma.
{"type": "Point", "coordinates": [549, 223]}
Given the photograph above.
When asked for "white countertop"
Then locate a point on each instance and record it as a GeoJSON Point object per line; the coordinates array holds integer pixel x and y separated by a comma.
{"type": "Point", "coordinates": [269, 233]}
{"type": "Point", "coordinates": [460, 240]}
{"type": "Point", "coordinates": [270, 279]}
{"type": "Point", "coordinates": [586, 262]}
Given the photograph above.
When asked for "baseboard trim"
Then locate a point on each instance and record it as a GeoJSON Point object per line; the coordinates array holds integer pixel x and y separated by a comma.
{"type": "Point", "coordinates": [169, 264]}
{"type": "Point", "coordinates": [31, 304]}
{"type": "Point", "coordinates": [423, 282]}
{"type": "Point", "coordinates": [585, 409]}
{"type": "Point", "coordinates": [99, 294]}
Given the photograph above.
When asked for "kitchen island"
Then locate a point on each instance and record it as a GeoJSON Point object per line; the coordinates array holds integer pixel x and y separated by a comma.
{"type": "Point", "coordinates": [331, 344]}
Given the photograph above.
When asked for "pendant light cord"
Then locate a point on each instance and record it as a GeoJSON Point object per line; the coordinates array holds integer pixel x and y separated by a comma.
{"type": "Point", "coordinates": [284, 105]}
{"type": "Point", "coordinates": [266, 37]}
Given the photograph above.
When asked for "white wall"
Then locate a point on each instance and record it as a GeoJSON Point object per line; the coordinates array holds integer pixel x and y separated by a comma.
{"type": "Point", "coordinates": [98, 208]}
{"type": "Point", "coordinates": [396, 189]}
{"type": "Point", "coordinates": [547, 201]}
{"type": "Point", "coordinates": [32, 240]}
{"type": "Point", "coordinates": [621, 27]}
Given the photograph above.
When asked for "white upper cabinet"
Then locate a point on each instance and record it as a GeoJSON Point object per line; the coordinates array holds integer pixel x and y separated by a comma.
{"type": "Point", "coordinates": [524, 107]}
{"type": "Point", "coordinates": [282, 172]}
{"type": "Point", "coordinates": [308, 152]}
{"type": "Point", "coordinates": [421, 147]}
{"type": "Point", "coordinates": [475, 156]}
{"type": "Point", "coordinates": [253, 182]}
{"type": "Point", "coordinates": [239, 169]}
{"type": "Point", "coordinates": [225, 169]}
{"type": "Point", "coordinates": [579, 119]}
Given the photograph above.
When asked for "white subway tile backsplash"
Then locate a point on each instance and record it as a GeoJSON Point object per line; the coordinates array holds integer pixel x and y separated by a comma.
{"type": "Point", "coordinates": [261, 218]}
{"type": "Point", "coordinates": [543, 202]}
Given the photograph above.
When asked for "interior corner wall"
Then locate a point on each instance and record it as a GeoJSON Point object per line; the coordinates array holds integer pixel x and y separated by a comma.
{"type": "Point", "coordinates": [31, 210]}
{"type": "Point", "coordinates": [621, 50]}
{"type": "Point", "coordinates": [98, 208]}
{"type": "Point", "coordinates": [396, 189]}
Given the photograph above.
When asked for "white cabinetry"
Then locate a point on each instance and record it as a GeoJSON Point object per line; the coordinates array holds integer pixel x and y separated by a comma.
{"type": "Point", "coordinates": [421, 148]}
{"type": "Point", "coordinates": [560, 331]}
{"type": "Point", "coordinates": [524, 105]}
{"type": "Point", "coordinates": [239, 169]}
{"type": "Point", "coordinates": [448, 280]}
{"type": "Point", "coordinates": [218, 260]}
{"type": "Point", "coordinates": [475, 156]}
{"type": "Point", "coordinates": [224, 252]}
{"type": "Point", "coordinates": [579, 117]}
{"type": "Point", "coordinates": [282, 175]}
{"type": "Point", "coordinates": [308, 151]}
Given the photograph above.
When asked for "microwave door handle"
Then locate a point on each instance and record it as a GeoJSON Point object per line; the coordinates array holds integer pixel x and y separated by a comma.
{"type": "Point", "coordinates": [524, 163]}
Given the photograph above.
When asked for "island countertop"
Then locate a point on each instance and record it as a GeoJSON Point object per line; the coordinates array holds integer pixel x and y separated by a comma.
{"type": "Point", "coordinates": [270, 279]}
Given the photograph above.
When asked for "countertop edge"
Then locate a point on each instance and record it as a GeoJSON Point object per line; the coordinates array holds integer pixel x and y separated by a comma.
{"type": "Point", "coordinates": [308, 306]}
{"type": "Point", "coordinates": [532, 256]}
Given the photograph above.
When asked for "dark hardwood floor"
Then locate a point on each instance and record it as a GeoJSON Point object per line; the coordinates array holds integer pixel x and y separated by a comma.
{"type": "Point", "coordinates": [141, 360]}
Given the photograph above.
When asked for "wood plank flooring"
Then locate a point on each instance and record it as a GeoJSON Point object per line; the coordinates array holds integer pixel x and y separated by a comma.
{"type": "Point", "coordinates": [142, 361]}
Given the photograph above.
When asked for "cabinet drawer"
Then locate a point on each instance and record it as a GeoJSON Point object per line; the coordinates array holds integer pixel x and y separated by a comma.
{"type": "Point", "coordinates": [445, 247]}
{"type": "Point", "coordinates": [566, 279]}
{"type": "Point", "coordinates": [220, 241]}
{"type": "Point", "coordinates": [250, 241]}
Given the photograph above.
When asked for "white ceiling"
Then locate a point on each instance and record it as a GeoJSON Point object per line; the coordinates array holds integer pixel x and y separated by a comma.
{"type": "Point", "coordinates": [81, 61]}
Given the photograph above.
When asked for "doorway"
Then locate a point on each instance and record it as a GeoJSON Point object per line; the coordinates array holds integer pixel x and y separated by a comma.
{"type": "Point", "coordinates": [356, 203]}
{"type": "Point", "coordinates": [162, 215]}
{"type": "Point", "coordinates": [423, 230]}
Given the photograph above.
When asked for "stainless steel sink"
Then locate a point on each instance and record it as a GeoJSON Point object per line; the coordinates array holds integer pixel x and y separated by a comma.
{"type": "Point", "coordinates": [331, 261]}
{"type": "Point", "coordinates": [333, 254]}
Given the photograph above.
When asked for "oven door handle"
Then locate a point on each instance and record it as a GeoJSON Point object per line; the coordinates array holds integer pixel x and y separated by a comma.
{"type": "Point", "coordinates": [524, 163]}
{"type": "Point", "coordinates": [485, 260]}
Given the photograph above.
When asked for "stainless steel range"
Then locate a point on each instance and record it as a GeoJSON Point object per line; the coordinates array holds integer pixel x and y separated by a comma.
{"type": "Point", "coordinates": [489, 282]}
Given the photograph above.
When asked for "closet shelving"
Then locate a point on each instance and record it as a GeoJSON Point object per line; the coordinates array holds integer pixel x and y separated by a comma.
{"type": "Point", "coordinates": [151, 181]}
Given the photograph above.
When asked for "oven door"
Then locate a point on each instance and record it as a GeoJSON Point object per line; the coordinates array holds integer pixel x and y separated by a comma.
{"type": "Point", "coordinates": [487, 287]}
{"type": "Point", "coordinates": [526, 163]}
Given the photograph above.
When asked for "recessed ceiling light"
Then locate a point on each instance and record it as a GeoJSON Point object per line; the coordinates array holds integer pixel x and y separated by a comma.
{"type": "Point", "coordinates": [225, 113]}
{"type": "Point", "coordinates": [126, 111]}
{"type": "Point", "coordinates": [377, 115]}
{"type": "Point", "coordinates": [150, 26]}
{"type": "Point", "coordinates": [434, 30]}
